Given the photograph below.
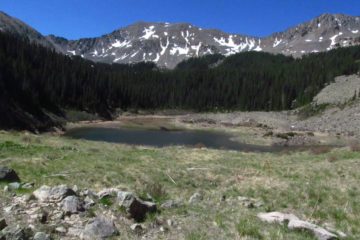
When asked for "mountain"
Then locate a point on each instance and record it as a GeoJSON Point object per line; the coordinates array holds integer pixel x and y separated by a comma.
{"type": "Point", "coordinates": [17, 27]}
{"type": "Point", "coordinates": [168, 44]}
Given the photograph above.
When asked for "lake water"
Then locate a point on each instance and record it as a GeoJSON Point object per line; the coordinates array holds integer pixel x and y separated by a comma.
{"type": "Point", "coordinates": [163, 138]}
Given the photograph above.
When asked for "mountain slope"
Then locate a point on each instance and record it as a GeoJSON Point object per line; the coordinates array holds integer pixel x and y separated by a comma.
{"type": "Point", "coordinates": [17, 27]}
{"type": "Point", "coordinates": [168, 44]}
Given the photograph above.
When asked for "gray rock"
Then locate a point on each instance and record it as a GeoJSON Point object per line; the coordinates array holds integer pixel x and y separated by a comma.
{"type": "Point", "coordinates": [41, 236]}
{"type": "Point", "coordinates": [71, 205]}
{"type": "Point", "coordinates": [294, 223]}
{"type": "Point", "coordinates": [99, 228]}
{"type": "Point", "coordinates": [136, 228]}
{"type": "Point", "coordinates": [55, 194]}
{"type": "Point", "coordinates": [3, 224]}
{"type": "Point", "coordinates": [319, 232]}
{"type": "Point", "coordinates": [88, 202]}
{"type": "Point", "coordinates": [27, 185]}
{"type": "Point", "coordinates": [14, 186]}
{"type": "Point", "coordinates": [135, 206]}
{"type": "Point", "coordinates": [16, 233]}
{"type": "Point", "coordinates": [8, 175]}
{"type": "Point", "coordinates": [61, 230]}
{"type": "Point", "coordinates": [195, 198]}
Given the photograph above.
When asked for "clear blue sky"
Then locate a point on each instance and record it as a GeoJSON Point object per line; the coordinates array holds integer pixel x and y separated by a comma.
{"type": "Point", "coordinates": [88, 18]}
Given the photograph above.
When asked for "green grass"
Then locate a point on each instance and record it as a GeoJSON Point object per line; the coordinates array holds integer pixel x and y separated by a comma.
{"type": "Point", "coordinates": [303, 183]}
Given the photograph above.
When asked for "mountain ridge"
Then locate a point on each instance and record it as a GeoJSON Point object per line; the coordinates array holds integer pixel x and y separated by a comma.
{"type": "Point", "coordinates": [168, 44]}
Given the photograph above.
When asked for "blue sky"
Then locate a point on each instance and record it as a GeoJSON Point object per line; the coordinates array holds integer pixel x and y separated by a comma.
{"type": "Point", "coordinates": [88, 18]}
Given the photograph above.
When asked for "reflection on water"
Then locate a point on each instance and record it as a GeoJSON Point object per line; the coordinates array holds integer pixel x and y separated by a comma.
{"type": "Point", "coordinates": [161, 138]}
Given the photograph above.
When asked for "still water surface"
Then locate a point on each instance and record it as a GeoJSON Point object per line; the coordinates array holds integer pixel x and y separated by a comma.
{"type": "Point", "coordinates": [163, 138]}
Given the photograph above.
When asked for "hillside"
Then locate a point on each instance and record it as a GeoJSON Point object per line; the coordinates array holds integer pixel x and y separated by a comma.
{"type": "Point", "coordinates": [38, 82]}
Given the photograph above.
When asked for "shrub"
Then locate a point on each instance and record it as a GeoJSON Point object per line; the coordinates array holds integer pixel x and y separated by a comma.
{"type": "Point", "coordinates": [320, 150]}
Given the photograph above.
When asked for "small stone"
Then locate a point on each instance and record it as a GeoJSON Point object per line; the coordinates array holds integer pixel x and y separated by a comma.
{"type": "Point", "coordinates": [136, 227]}
{"type": "Point", "coordinates": [2, 224]}
{"type": "Point", "coordinates": [8, 175]}
{"type": "Point", "coordinates": [170, 222]}
{"type": "Point", "coordinates": [99, 228]}
{"type": "Point", "coordinates": [195, 198]}
{"type": "Point", "coordinates": [14, 186]}
{"type": "Point", "coordinates": [88, 202]}
{"type": "Point", "coordinates": [41, 236]}
{"type": "Point", "coordinates": [27, 185]}
{"type": "Point", "coordinates": [6, 188]}
{"type": "Point", "coordinates": [75, 188]}
{"type": "Point", "coordinates": [72, 205]}
{"type": "Point", "coordinates": [61, 230]}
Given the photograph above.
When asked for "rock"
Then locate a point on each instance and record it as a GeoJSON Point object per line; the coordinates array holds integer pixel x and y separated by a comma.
{"type": "Point", "coordinates": [88, 202]}
{"type": "Point", "coordinates": [72, 205]}
{"type": "Point", "coordinates": [294, 223]}
{"type": "Point", "coordinates": [8, 175]}
{"type": "Point", "coordinates": [99, 228]}
{"type": "Point", "coordinates": [195, 198]}
{"type": "Point", "coordinates": [61, 229]}
{"type": "Point", "coordinates": [55, 194]}
{"type": "Point", "coordinates": [14, 186]}
{"type": "Point", "coordinates": [75, 232]}
{"type": "Point", "coordinates": [136, 228]}
{"type": "Point", "coordinates": [16, 233]}
{"type": "Point", "coordinates": [41, 236]}
{"type": "Point", "coordinates": [170, 204]}
{"type": "Point", "coordinates": [27, 185]}
{"type": "Point", "coordinates": [276, 217]}
{"type": "Point", "coordinates": [135, 206]}
{"type": "Point", "coordinates": [2, 224]}
{"type": "Point", "coordinates": [170, 222]}
{"type": "Point", "coordinates": [319, 232]}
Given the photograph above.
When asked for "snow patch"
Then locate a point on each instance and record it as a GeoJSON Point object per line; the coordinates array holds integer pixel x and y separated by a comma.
{"type": "Point", "coordinates": [232, 47]}
{"type": "Point", "coordinates": [333, 39]}
{"type": "Point", "coordinates": [148, 32]}
{"type": "Point", "coordinates": [119, 44]}
{"type": "Point", "coordinates": [308, 40]}
{"type": "Point", "coordinates": [197, 48]}
{"type": "Point", "coordinates": [72, 52]}
{"type": "Point", "coordinates": [355, 31]}
{"type": "Point", "coordinates": [163, 48]}
{"type": "Point", "coordinates": [277, 42]}
{"type": "Point", "coordinates": [157, 58]}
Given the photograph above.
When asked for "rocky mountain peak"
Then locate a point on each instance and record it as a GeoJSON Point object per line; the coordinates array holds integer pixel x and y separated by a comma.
{"type": "Point", "coordinates": [167, 44]}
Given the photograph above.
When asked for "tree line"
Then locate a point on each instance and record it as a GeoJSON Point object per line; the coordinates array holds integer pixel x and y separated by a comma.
{"type": "Point", "coordinates": [37, 82]}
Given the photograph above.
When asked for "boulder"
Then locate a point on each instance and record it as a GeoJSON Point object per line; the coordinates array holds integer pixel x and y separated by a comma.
{"type": "Point", "coordinates": [8, 175]}
{"type": "Point", "coordinates": [55, 194]}
{"type": "Point", "coordinates": [41, 236]}
{"type": "Point", "coordinates": [195, 198]}
{"type": "Point", "coordinates": [135, 206]}
{"type": "Point", "coordinates": [99, 228]}
{"type": "Point", "coordinates": [72, 205]}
